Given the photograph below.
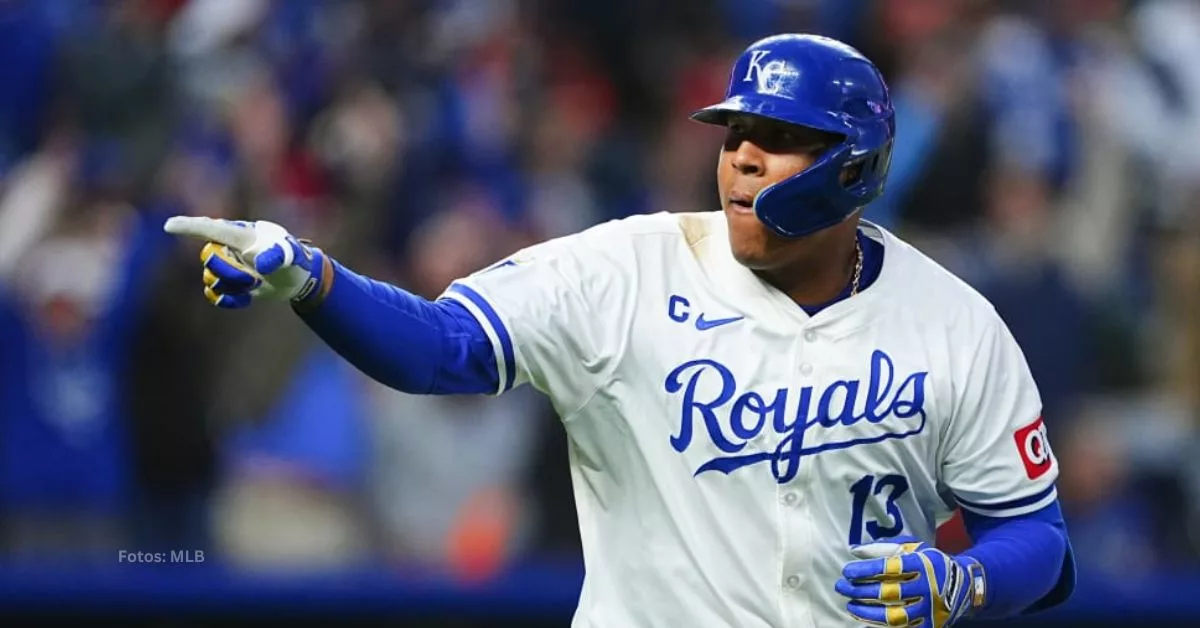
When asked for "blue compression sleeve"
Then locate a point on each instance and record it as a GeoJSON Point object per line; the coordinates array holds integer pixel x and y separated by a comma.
{"type": "Point", "coordinates": [1027, 560]}
{"type": "Point", "coordinates": [402, 340]}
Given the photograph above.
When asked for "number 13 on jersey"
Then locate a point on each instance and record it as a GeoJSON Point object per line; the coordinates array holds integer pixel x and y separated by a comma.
{"type": "Point", "coordinates": [886, 490]}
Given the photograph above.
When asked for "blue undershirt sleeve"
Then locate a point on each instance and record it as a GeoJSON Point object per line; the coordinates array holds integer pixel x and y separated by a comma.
{"type": "Point", "coordinates": [402, 340]}
{"type": "Point", "coordinates": [1027, 560]}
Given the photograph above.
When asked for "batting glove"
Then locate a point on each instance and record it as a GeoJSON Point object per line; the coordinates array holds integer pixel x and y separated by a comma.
{"type": "Point", "coordinates": [903, 582]}
{"type": "Point", "coordinates": [244, 261]}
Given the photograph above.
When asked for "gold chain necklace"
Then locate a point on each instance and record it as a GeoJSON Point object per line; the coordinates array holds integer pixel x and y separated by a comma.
{"type": "Point", "coordinates": [858, 264]}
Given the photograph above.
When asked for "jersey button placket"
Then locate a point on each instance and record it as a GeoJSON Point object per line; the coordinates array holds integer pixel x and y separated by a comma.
{"type": "Point", "coordinates": [796, 528]}
{"type": "Point", "coordinates": [790, 502]}
{"type": "Point", "coordinates": [793, 500]}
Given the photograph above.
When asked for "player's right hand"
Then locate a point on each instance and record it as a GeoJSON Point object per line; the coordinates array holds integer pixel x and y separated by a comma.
{"type": "Point", "coordinates": [903, 582]}
{"type": "Point", "coordinates": [244, 261]}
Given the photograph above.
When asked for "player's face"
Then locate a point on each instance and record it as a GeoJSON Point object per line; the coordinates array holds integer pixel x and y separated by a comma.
{"type": "Point", "coordinates": [759, 152]}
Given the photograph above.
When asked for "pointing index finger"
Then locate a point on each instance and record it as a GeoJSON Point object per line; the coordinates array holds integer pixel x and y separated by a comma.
{"type": "Point", "coordinates": [220, 231]}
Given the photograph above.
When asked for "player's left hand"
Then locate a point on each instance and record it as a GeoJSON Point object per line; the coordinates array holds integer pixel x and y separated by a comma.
{"type": "Point", "coordinates": [904, 582]}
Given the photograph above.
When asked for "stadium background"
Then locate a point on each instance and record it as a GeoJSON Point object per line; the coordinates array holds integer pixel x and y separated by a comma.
{"type": "Point", "coordinates": [1048, 152]}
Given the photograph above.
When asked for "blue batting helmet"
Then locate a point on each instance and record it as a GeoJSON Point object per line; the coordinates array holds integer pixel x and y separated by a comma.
{"type": "Point", "coordinates": [824, 84]}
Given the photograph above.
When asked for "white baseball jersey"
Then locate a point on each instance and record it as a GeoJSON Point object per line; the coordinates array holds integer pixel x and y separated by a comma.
{"type": "Point", "coordinates": [726, 448]}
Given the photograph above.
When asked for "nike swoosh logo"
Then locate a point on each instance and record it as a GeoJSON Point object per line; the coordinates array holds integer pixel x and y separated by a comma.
{"type": "Point", "coordinates": [702, 324]}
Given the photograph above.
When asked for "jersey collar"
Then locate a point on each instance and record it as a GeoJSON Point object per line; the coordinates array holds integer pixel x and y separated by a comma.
{"type": "Point", "coordinates": [754, 298]}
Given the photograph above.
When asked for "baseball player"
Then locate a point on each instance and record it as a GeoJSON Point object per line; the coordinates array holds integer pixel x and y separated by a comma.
{"type": "Point", "coordinates": [770, 409]}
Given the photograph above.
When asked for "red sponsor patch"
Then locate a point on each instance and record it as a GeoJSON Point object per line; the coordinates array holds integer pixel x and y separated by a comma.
{"type": "Point", "coordinates": [1034, 448]}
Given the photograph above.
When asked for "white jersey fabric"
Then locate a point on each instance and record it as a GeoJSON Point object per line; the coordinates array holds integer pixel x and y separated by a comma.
{"type": "Point", "coordinates": [727, 449]}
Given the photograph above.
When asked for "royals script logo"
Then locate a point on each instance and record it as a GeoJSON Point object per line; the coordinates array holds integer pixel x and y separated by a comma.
{"type": "Point", "coordinates": [732, 417]}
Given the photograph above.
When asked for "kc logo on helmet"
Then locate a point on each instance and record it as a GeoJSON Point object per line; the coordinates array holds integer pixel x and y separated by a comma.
{"type": "Point", "coordinates": [1034, 448]}
{"type": "Point", "coordinates": [771, 77]}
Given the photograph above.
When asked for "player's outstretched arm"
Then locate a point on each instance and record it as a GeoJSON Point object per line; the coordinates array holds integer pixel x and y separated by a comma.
{"type": "Point", "coordinates": [402, 340]}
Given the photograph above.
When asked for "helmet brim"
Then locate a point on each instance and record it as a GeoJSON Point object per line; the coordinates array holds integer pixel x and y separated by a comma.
{"type": "Point", "coordinates": [778, 109]}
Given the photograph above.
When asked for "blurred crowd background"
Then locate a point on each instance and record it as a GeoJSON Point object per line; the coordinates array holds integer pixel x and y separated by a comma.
{"type": "Point", "coordinates": [1048, 152]}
